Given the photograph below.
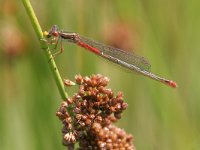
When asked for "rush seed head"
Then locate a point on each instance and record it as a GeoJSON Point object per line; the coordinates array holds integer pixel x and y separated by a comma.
{"type": "Point", "coordinates": [94, 109]}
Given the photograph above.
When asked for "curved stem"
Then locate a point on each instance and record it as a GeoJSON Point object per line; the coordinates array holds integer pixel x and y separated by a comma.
{"type": "Point", "coordinates": [44, 46]}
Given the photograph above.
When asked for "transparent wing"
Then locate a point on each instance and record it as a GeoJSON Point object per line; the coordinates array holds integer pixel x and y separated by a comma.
{"type": "Point", "coordinates": [128, 57]}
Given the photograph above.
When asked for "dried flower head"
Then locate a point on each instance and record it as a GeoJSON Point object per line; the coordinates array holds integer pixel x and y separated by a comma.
{"type": "Point", "coordinates": [88, 116]}
{"type": "Point", "coordinates": [108, 137]}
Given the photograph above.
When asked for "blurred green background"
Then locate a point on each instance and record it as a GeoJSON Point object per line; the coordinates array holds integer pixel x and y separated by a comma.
{"type": "Point", "coordinates": [164, 31]}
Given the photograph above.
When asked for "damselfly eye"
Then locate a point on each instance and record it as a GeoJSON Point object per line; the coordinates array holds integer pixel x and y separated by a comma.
{"type": "Point", "coordinates": [55, 33]}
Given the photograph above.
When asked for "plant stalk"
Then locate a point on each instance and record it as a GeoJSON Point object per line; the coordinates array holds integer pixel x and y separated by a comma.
{"type": "Point", "coordinates": [44, 46]}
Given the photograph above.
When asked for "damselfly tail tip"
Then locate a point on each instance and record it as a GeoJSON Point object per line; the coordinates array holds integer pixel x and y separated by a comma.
{"type": "Point", "coordinates": [171, 83]}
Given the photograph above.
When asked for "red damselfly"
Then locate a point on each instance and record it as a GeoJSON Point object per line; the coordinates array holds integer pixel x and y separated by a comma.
{"type": "Point", "coordinates": [126, 59]}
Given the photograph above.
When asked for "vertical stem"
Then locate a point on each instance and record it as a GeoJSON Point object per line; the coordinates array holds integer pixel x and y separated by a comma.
{"type": "Point", "coordinates": [44, 46]}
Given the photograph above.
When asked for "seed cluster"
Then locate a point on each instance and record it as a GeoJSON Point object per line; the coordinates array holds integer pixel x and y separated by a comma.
{"type": "Point", "coordinates": [87, 116]}
{"type": "Point", "coordinates": [106, 138]}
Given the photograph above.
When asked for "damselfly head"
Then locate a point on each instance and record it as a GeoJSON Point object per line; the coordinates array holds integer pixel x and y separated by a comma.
{"type": "Point", "coordinates": [53, 31]}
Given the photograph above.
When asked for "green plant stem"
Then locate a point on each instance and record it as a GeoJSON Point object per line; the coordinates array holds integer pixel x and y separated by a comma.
{"type": "Point", "coordinates": [44, 46]}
